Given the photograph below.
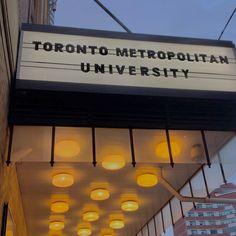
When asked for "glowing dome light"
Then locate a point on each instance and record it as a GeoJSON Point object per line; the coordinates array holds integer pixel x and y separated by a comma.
{"type": "Point", "coordinates": [129, 205]}
{"type": "Point", "coordinates": [113, 162]}
{"type": "Point", "coordinates": [67, 148]}
{"type": "Point", "coordinates": [147, 180]}
{"type": "Point", "coordinates": [56, 225]}
{"type": "Point", "coordinates": [84, 232]}
{"type": "Point", "coordinates": [62, 180]}
{"type": "Point", "coordinates": [117, 224]}
{"type": "Point", "coordinates": [162, 149]}
{"type": "Point", "coordinates": [59, 207]}
{"type": "Point", "coordinates": [99, 194]}
{"type": "Point", "coordinates": [90, 216]}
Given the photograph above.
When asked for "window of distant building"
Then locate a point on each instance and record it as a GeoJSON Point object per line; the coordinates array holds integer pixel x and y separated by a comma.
{"type": "Point", "coordinates": [201, 222]}
{"type": "Point", "coordinates": [213, 231]}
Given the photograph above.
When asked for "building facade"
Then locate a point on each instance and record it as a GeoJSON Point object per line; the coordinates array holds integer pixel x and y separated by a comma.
{"type": "Point", "coordinates": [212, 218]}
{"type": "Point", "coordinates": [12, 14]}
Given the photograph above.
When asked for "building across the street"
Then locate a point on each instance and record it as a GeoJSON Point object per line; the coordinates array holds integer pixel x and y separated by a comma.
{"type": "Point", "coordinates": [210, 218]}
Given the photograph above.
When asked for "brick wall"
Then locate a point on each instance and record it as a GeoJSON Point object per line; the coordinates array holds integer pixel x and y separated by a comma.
{"type": "Point", "coordinates": [9, 188]}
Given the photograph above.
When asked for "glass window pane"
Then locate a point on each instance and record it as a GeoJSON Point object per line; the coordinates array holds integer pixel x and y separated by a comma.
{"type": "Point", "coordinates": [213, 176]}
{"type": "Point", "coordinates": [150, 146]}
{"type": "Point", "coordinates": [216, 140]}
{"type": "Point", "coordinates": [73, 144]}
{"type": "Point", "coordinates": [185, 191]}
{"type": "Point", "coordinates": [187, 146]}
{"type": "Point", "coordinates": [167, 216]}
{"type": "Point", "coordinates": [159, 225]}
{"type": "Point", "coordinates": [145, 231]}
{"type": "Point", "coordinates": [175, 206]}
{"type": "Point", "coordinates": [151, 226]}
{"type": "Point", "coordinates": [112, 143]}
{"type": "Point", "coordinates": [198, 185]}
{"type": "Point", "coordinates": [31, 143]}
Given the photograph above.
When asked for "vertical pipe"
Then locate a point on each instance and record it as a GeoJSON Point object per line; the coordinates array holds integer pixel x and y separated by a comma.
{"type": "Point", "coordinates": [171, 214]}
{"type": "Point", "coordinates": [52, 146]}
{"type": "Point", "coordinates": [169, 148]}
{"type": "Point", "coordinates": [205, 148]}
{"type": "Point", "coordinates": [205, 182]}
{"type": "Point", "coordinates": [148, 229]}
{"type": "Point", "coordinates": [4, 219]}
{"type": "Point", "coordinates": [132, 147]}
{"type": "Point", "coordinates": [181, 208]}
{"type": "Point", "coordinates": [191, 190]}
{"type": "Point", "coordinates": [11, 130]}
{"type": "Point", "coordinates": [155, 225]}
{"type": "Point", "coordinates": [222, 169]}
{"type": "Point", "coordinates": [94, 147]}
{"type": "Point", "coordinates": [163, 223]}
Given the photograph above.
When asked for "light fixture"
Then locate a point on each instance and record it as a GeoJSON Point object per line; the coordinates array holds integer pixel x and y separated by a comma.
{"type": "Point", "coordinates": [84, 231]}
{"type": "Point", "coordinates": [117, 224]}
{"type": "Point", "coordinates": [62, 180]}
{"type": "Point", "coordinates": [147, 180]}
{"type": "Point", "coordinates": [162, 149]}
{"type": "Point", "coordinates": [129, 205]}
{"type": "Point", "coordinates": [90, 216]}
{"type": "Point", "coordinates": [67, 148]}
{"type": "Point", "coordinates": [99, 194]}
{"type": "Point", "coordinates": [107, 232]}
{"type": "Point", "coordinates": [56, 225]}
{"type": "Point", "coordinates": [113, 162]}
{"type": "Point", "coordinates": [59, 207]}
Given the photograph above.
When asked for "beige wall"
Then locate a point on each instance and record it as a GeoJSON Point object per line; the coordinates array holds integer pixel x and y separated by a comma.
{"type": "Point", "coordinates": [12, 12]}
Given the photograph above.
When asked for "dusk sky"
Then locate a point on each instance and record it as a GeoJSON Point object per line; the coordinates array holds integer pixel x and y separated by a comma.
{"type": "Point", "coordinates": [187, 18]}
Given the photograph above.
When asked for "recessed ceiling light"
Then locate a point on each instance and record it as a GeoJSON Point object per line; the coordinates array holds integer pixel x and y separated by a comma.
{"type": "Point", "coordinates": [62, 180]}
{"type": "Point", "coordinates": [84, 232]}
{"type": "Point", "coordinates": [90, 216]}
{"type": "Point", "coordinates": [67, 148]}
{"type": "Point", "coordinates": [99, 194]}
{"type": "Point", "coordinates": [129, 205]}
{"type": "Point", "coordinates": [113, 162]}
{"type": "Point", "coordinates": [56, 225]}
{"type": "Point", "coordinates": [147, 180]}
{"type": "Point", "coordinates": [162, 149]}
{"type": "Point", "coordinates": [117, 224]}
{"type": "Point", "coordinates": [59, 207]}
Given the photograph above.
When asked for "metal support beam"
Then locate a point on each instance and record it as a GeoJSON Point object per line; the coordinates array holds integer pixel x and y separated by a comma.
{"type": "Point", "coordinates": [113, 16]}
{"type": "Point", "coordinates": [173, 191]}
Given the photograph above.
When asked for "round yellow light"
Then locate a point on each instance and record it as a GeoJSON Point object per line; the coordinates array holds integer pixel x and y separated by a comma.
{"type": "Point", "coordinates": [117, 224]}
{"type": "Point", "coordinates": [90, 216]}
{"type": "Point", "coordinates": [59, 207]}
{"type": "Point", "coordinates": [99, 194]}
{"type": "Point", "coordinates": [84, 232]}
{"type": "Point", "coordinates": [62, 180]}
{"type": "Point", "coordinates": [56, 225]}
{"type": "Point", "coordinates": [147, 180]}
{"type": "Point", "coordinates": [162, 149]}
{"type": "Point", "coordinates": [67, 148]}
{"type": "Point", "coordinates": [129, 205]}
{"type": "Point", "coordinates": [113, 162]}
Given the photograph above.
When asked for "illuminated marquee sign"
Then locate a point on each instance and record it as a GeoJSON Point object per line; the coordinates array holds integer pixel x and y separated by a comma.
{"type": "Point", "coordinates": [133, 61]}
